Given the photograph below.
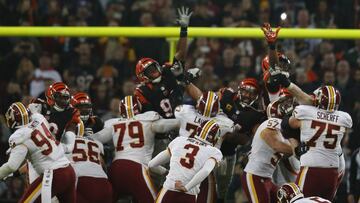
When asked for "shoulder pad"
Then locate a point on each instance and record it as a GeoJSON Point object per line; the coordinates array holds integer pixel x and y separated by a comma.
{"type": "Point", "coordinates": [19, 136]}
{"type": "Point", "coordinates": [224, 121]}
{"type": "Point", "coordinates": [111, 122]}
{"type": "Point", "coordinates": [303, 112]}
{"type": "Point", "coordinates": [347, 120]}
{"type": "Point", "coordinates": [273, 123]}
{"type": "Point", "coordinates": [183, 109]}
{"type": "Point", "coordinates": [148, 116]}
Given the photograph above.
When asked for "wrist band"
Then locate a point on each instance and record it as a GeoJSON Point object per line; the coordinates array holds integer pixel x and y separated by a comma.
{"type": "Point", "coordinates": [272, 46]}
{"type": "Point", "coordinates": [183, 32]}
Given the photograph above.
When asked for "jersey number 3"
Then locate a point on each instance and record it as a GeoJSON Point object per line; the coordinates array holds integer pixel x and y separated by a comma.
{"type": "Point", "coordinates": [135, 131]}
{"type": "Point", "coordinates": [189, 159]}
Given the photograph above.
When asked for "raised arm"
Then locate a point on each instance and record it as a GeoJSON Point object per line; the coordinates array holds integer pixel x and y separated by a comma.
{"type": "Point", "coordinates": [104, 135]}
{"type": "Point", "coordinates": [183, 20]}
{"type": "Point", "coordinates": [271, 38]}
{"type": "Point", "coordinates": [165, 125]}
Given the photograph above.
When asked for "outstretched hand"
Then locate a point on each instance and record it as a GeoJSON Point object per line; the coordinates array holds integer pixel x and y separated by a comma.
{"type": "Point", "coordinates": [184, 16]}
{"type": "Point", "coordinates": [270, 35]}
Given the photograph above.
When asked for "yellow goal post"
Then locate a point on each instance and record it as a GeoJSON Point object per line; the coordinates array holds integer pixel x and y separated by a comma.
{"type": "Point", "coordinates": [172, 33]}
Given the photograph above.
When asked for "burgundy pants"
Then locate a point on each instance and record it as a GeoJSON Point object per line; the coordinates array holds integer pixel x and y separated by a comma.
{"type": "Point", "coordinates": [63, 187]}
{"type": "Point", "coordinates": [93, 190]}
{"type": "Point", "coordinates": [168, 196]}
{"type": "Point", "coordinates": [259, 189]}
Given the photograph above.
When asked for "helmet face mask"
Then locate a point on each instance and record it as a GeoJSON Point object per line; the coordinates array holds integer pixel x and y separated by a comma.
{"type": "Point", "coordinates": [248, 92]}
{"type": "Point", "coordinates": [286, 106]}
{"type": "Point", "coordinates": [82, 102]}
{"type": "Point", "coordinates": [247, 95]}
{"type": "Point", "coordinates": [17, 115]}
{"type": "Point", "coordinates": [61, 99]}
{"type": "Point", "coordinates": [148, 70]}
{"type": "Point", "coordinates": [85, 111]}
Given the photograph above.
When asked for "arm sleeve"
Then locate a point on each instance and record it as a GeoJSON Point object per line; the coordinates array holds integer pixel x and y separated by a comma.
{"type": "Point", "coordinates": [202, 174]}
{"type": "Point", "coordinates": [103, 136]}
{"type": "Point", "coordinates": [68, 141]}
{"type": "Point", "coordinates": [155, 164]}
{"type": "Point", "coordinates": [17, 157]}
{"type": "Point", "coordinates": [165, 125]}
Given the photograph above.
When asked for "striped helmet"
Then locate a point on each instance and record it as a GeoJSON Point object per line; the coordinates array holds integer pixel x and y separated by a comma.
{"type": "Point", "coordinates": [82, 102]}
{"type": "Point", "coordinates": [281, 107]}
{"type": "Point", "coordinates": [17, 115]}
{"type": "Point", "coordinates": [209, 104]}
{"type": "Point", "coordinates": [129, 107]}
{"type": "Point", "coordinates": [288, 193]}
{"type": "Point", "coordinates": [148, 70]}
{"type": "Point", "coordinates": [327, 98]}
{"type": "Point", "coordinates": [58, 95]}
{"type": "Point", "coordinates": [248, 92]}
{"type": "Point", "coordinates": [208, 132]}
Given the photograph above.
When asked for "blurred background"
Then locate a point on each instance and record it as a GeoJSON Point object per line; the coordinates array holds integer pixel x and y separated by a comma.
{"type": "Point", "coordinates": [105, 67]}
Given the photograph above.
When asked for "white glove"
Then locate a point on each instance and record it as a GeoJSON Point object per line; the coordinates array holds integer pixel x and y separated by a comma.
{"type": "Point", "coordinates": [277, 70]}
{"type": "Point", "coordinates": [177, 69]}
{"type": "Point", "coordinates": [184, 16]}
{"type": "Point", "coordinates": [35, 108]}
{"type": "Point", "coordinates": [194, 72]}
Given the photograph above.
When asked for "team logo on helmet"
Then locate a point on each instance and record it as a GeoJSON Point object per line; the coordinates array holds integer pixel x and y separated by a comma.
{"type": "Point", "coordinates": [281, 107]}
{"type": "Point", "coordinates": [208, 104]}
{"type": "Point", "coordinates": [208, 132]}
{"type": "Point", "coordinates": [248, 91]}
{"type": "Point", "coordinates": [148, 70]}
{"type": "Point", "coordinates": [327, 98]}
{"type": "Point", "coordinates": [288, 193]}
{"type": "Point", "coordinates": [82, 102]}
{"type": "Point", "coordinates": [17, 115]}
{"type": "Point", "coordinates": [129, 107]}
{"type": "Point", "coordinates": [58, 96]}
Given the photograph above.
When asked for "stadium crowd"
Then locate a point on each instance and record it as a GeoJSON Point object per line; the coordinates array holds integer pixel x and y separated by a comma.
{"type": "Point", "coordinates": [105, 67]}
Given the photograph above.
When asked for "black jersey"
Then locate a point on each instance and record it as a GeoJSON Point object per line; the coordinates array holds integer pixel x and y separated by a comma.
{"type": "Point", "coordinates": [162, 97]}
{"type": "Point", "coordinates": [59, 120]}
{"type": "Point", "coordinates": [246, 117]}
{"type": "Point", "coordinates": [93, 125]}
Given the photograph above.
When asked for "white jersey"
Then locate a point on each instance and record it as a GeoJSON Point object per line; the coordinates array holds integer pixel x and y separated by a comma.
{"type": "Point", "coordinates": [86, 158]}
{"type": "Point", "coordinates": [44, 152]}
{"type": "Point", "coordinates": [134, 138]}
{"type": "Point", "coordinates": [188, 156]}
{"type": "Point", "coordinates": [263, 159]}
{"type": "Point", "coordinates": [190, 120]}
{"type": "Point", "coordinates": [323, 132]}
{"type": "Point", "coordinates": [312, 200]}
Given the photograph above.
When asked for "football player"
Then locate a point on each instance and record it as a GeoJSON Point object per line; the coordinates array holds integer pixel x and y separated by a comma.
{"type": "Point", "coordinates": [291, 193]}
{"type": "Point", "coordinates": [268, 147]}
{"type": "Point", "coordinates": [92, 123]}
{"type": "Point", "coordinates": [33, 141]}
{"type": "Point", "coordinates": [64, 120]}
{"type": "Point", "coordinates": [133, 136]}
{"type": "Point", "coordinates": [322, 128]}
{"type": "Point", "coordinates": [92, 182]}
{"type": "Point", "coordinates": [191, 161]}
{"type": "Point", "coordinates": [159, 89]}
{"type": "Point", "coordinates": [273, 59]}
{"type": "Point", "coordinates": [208, 107]}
